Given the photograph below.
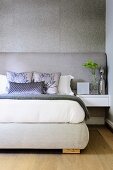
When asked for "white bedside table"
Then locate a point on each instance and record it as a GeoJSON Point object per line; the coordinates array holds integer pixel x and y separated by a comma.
{"type": "Point", "coordinates": [95, 100]}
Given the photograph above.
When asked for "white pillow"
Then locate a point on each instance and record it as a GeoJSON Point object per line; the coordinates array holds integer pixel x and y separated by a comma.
{"type": "Point", "coordinates": [3, 84]}
{"type": "Point", "coordinates": [64, 85]}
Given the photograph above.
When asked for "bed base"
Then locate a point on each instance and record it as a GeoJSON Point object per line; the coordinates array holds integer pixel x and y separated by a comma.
{"type": "Point", "coordinates": [71, 138]}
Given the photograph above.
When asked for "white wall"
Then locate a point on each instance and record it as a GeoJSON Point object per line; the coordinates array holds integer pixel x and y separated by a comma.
{"type": "Point", "coordinates": [52, 25]}
{"type": "Point", "coordinates": [109, 51]}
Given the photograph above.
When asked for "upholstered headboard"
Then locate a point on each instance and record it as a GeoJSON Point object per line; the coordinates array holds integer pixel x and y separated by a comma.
{"type": "Point", "coordinates": [66, 63]}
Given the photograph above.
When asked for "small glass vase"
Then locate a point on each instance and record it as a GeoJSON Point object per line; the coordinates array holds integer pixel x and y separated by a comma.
{"type": "Point", "coordinates": [94, 87]}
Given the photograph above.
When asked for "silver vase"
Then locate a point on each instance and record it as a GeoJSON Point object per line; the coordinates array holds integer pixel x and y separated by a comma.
{"type": "Point", "coordinates": [102, 82]}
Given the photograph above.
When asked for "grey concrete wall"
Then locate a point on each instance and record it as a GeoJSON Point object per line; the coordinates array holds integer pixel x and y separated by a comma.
{"type": "Point", "coordinates": [109, 51]}
{"type": "Point", "coordinates": [52, 25]}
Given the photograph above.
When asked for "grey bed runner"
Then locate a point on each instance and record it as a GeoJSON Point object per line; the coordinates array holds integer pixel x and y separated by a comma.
{"type": "Point", "coordinates": [47, 97]}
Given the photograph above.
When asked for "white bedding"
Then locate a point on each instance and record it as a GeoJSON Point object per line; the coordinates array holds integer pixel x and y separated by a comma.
{"type": "Point", "coordinates": [40, 111]}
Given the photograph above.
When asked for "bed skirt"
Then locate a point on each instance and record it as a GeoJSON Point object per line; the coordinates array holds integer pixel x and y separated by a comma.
{"type": "Point", "coordinates": [43, 135]}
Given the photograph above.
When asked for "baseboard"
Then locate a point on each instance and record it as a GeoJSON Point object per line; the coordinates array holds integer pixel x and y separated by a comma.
{"type": "Point", "coordinates": [110, 123]}
{"type": "Point", "coordinates": [96, 121]}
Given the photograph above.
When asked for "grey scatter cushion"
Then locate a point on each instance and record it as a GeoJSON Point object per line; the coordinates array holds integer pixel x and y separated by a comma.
{"type": "Point", "coordinates": [26, 88]}
{"type": "Point", "coordinates": [25, 77]}
{"type": "Point", "coordinates": [51, 81]}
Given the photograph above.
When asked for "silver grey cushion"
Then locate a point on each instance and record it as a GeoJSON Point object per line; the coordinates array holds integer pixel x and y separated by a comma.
{"type": "Point", "coordinates": [24, 77]}
{"type": "Point", "coordinates": [26, 88]}
{"type": "Point", "coordinates": [51, 81]}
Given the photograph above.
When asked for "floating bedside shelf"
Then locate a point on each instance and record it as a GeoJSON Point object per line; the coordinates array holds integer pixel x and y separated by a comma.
{"type": "Point", "coordinates": [95, 100]}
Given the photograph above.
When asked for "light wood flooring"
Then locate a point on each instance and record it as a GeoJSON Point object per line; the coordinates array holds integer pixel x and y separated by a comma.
{"type": "Point", "coordinates": [97, 156]}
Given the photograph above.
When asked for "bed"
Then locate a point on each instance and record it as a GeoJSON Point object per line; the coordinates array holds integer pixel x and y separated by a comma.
{"type": "Point", "coordinates": [32, 120]}
{"type": "Point", "coordinates": [24, 124]}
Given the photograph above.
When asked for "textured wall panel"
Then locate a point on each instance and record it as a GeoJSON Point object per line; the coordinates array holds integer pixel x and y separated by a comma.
{"type": "Point", "coordinates": [82, 25]}
{"type": "Point", "coordinates": [66, 63]}
{"type": "Point", "coordinates": [29, 25]}
{"type": "Point", "coordinates": [52, 25]}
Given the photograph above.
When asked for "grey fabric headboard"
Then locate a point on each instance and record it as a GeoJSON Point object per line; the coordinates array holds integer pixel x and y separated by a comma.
{"type": "Point", "coordinates": [66, 63]}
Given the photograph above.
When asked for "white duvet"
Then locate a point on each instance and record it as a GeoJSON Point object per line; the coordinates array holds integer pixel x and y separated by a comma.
{"type": "Point", "coordinates": [40, 111]}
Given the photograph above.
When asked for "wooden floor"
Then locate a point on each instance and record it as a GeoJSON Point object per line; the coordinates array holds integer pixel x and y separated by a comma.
{"type": "Point", "coordinates": [97, 156]}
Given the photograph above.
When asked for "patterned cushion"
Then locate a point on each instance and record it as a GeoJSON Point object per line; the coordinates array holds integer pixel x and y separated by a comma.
{"type": "Point", "coordinates": [26, 88]}
{"type": "Point", "coordinates": [25, 77]}
{"type": "Point", "coordinates": [51, 81]}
